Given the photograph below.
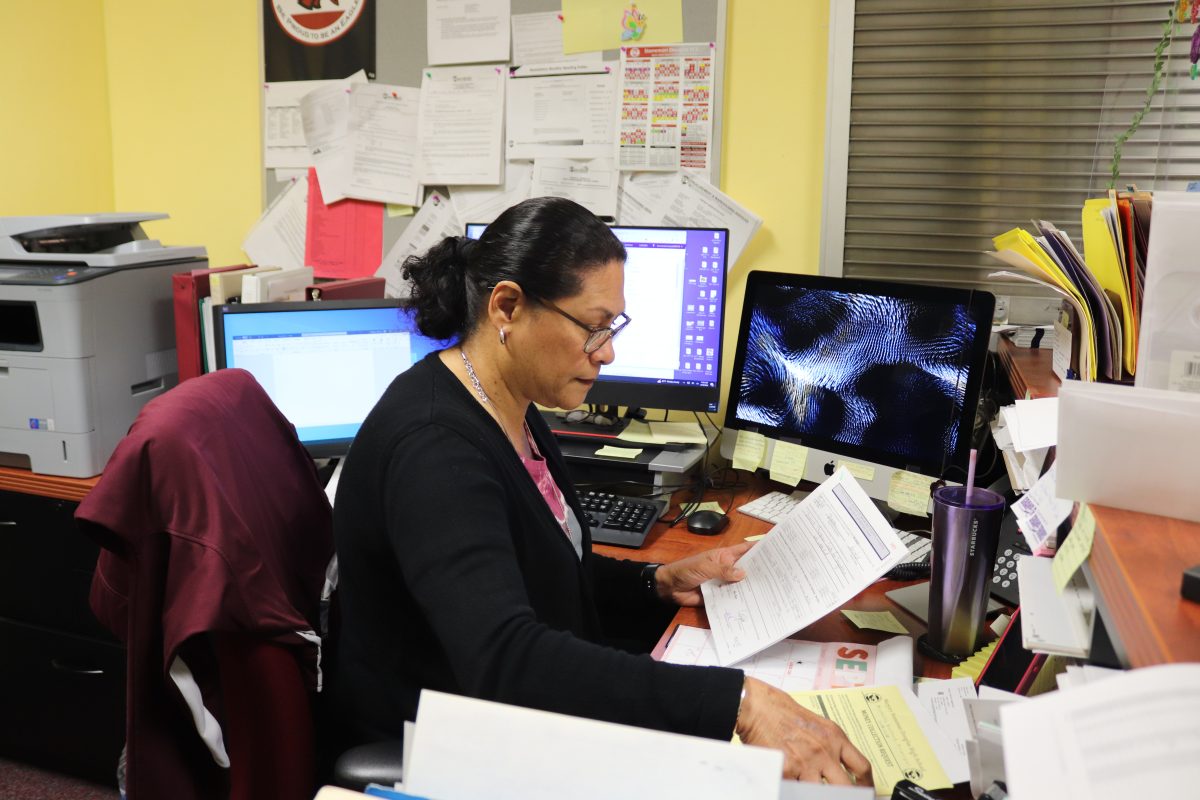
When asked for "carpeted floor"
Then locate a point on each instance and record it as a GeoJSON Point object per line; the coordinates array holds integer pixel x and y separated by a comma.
{"type": "Point", "coordinates": [23, 782]}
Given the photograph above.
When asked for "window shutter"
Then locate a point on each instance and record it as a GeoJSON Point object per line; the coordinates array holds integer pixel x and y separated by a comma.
{"type": "Point", "coordinates": [968, 119]}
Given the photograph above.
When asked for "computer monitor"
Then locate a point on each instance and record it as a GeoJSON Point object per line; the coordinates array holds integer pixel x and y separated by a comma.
{"type": "Point", "coordinates": [670, 355]}
{"type": "Point", "coordinates": [325, 363]}
{"type": "Point", "coordinates": [884, 376]}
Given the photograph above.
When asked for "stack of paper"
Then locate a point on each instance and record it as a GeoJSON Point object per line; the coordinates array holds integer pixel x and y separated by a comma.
{"type": "Point", "coordinates": [1024, 433]}
{"type": "Point", "coordinates": [1130, 735]}
{"type": "Point", "coordinates": [1098, 299]}
{"type": "Point", "coordinates": [1053, 622]}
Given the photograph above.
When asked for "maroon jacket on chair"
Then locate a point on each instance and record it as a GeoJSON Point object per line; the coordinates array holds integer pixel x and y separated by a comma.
{"type": "Point", "coordinates": [214, 529]}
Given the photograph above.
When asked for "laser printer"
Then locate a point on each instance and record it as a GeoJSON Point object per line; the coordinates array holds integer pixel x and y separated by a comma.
{"type": "Point", "coordinates": [87, 335]}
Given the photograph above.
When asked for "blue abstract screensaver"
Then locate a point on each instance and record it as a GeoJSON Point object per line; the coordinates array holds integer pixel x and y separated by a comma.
{"type": "Point", "coordinates": [881, 372]}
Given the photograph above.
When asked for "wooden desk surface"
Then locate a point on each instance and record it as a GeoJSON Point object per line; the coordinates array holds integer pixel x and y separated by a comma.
{"type": "Point", "coordinates": [1029, 370]}
{"type": "Point", "coordinates": [669, 544]}
{"type": "Point", "coordinates": [26, 482]}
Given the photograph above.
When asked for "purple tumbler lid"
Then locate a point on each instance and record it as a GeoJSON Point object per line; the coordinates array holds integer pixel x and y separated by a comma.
{"type": "Point", "coordinates": [981, 499]}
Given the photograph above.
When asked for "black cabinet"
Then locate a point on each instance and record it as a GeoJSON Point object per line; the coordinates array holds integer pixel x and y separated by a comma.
{"type": "Point", "coordinates": [62, 676]}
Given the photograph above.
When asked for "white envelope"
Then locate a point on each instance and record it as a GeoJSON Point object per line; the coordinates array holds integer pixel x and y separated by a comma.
{"type": "Point", "coordinates": [1129, 447]}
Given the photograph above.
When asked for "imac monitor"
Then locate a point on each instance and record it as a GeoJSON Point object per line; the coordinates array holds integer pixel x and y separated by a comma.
{"type": "Point", "coordinates": [670, 355]}
{"type": "Point", "coordinates": [324, 364]}
{"type": "Point", "coordinates": [881, 375]}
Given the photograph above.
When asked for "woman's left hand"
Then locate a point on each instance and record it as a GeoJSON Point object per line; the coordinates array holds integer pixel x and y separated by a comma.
{"type": "Point", "coordinates": [679, 582]}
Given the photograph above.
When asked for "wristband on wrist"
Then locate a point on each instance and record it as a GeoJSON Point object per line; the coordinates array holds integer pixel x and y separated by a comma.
{"type": "Point", "coordinates": [649, 576]}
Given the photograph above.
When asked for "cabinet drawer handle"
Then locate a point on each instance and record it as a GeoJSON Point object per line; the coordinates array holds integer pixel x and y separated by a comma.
{"type": "Point", "coordinates": [75, 669]}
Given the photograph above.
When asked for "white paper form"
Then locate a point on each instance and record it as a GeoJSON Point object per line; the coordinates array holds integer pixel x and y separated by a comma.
{"type": "Point", "coordinates": [538, 39]}
{"type": "Point", "coordinates": [1133, 735]}
{"type": "Point", "coordinates": [1039, 512]}
{"type": "Point", "coordinates": [277, 239]}
{"type": "Point", "coordinates": [383, 127]}
{"type": "Point", "coordinates": [485, 203]}
{"type": "Point", "coordinates": [799, 666]}
{"type": "Point", "coordinates": [665, 114]}
{"type": "Point", "coordinates": [560, 110]}
{"type": "Point", "coordinates": [638, 196]}
{"type": "Point", "coordinates": [433, 222]}
{"type": "Point", "coordinates": [826, 550]}
{"type": "Point", "coordinates": [462, 120]}
{"type": "Point", "coordinates": [326, 115]}
{"type": "Point", "coordinates": [518, 752]}
{"type": "Point", "coordinates": [943, 700]}
{"type": "Point", "coordinates": [591, 183]}
{"type": "Point", "coordinates": [283, 129]}
{"type": "Point", "coordinates": [467, 31]}
{"type": "Point", "coordinates": [695, 203]}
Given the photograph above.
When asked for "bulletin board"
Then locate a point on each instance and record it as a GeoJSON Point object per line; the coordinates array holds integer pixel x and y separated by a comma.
{"type": "Point", "coordinates": [400, 57]}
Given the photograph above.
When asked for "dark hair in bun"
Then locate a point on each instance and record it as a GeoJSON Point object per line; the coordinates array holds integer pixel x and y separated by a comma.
{"type": "Point", "coordinates": [544, 244]}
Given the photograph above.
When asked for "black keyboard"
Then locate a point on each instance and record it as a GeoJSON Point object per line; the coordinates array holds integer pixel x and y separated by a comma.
{"type": "Point", "coordinates": [620, 520]}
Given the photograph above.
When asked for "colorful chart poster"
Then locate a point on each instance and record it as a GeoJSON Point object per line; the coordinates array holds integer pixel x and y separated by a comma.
{"type": "Point", "coordinates": [665, 115]}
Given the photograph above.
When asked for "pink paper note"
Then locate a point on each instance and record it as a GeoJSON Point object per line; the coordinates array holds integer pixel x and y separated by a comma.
{"type": "Point", "coordinates": [344, 240]}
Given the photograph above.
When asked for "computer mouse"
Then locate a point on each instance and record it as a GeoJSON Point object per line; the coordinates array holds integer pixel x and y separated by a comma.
{"type": "Point", "coordinates": [707, 523]}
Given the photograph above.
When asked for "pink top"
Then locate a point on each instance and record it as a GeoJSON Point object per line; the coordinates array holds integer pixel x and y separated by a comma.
{"type": "Point", "coordinates": [537, 468]}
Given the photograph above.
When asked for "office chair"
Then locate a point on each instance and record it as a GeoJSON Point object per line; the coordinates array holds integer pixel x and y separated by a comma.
{"type": "Point", "coordinates": [215, 535]}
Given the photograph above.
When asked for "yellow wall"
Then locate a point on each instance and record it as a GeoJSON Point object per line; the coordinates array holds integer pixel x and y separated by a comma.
{"type": "Point", "coordinates": [773, 160]}
{"type": "Point", "coordinates": [184, 87]}
{"type": "Point", "coordinates": [55, 141]}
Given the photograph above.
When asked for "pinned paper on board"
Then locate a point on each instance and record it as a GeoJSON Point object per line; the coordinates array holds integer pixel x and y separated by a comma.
{"type": "Point", "coordinates": [344, 240]}
{"type": "Point", "coordinates": [608, 24]}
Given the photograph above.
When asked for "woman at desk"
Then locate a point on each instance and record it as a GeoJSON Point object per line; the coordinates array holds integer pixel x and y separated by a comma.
{"type": "Point", "coordinates": [463, 564]}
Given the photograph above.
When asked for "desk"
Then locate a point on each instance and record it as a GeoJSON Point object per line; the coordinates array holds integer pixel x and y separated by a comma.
{"type": "Point", "coordinates": [1137, 559]}
{"type": "Point", "coordinates": [670, 544]}
{"type": "Point", "coordinates": [62, 676]}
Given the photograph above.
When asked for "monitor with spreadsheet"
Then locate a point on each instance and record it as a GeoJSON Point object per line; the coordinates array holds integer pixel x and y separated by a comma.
{"type": "Point", "coordinates": [881, 375]}
{"type": "Point", "coordinates": [670, 355]}
{"type": "Point", "coordinates": [325, 363]}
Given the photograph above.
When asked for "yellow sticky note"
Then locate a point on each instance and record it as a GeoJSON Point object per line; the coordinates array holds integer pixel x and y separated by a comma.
{"type": "Point", "coordinates": [787, 462]}
{"type": "Point", "coordinates": [748, 453]}
{"type": "Point", "coordinates": [754, 538]}
{"type": "Point", "coordinates": [860, 471]}
{"type": "Point", "coordinates": [712, 505]}
{"type": "Point", "coordinates": [639, 432]}
{"type": "Point", "coordinates": [1076, 549]}
{"type": "Point", "coordinates": [685, 432]}
{"type": "Point", "coordinates": [908, 492]}
{"type": "Point", "coordinates": [881, 725]}
{"type": "Point", "coordinates": [609, 24]}
{"type": "Point", "coordinates": [609, 451]}
{"type": "Point", "coordinates": [397, 210]}
{"type": "Point", "coordinates": [875, 620]}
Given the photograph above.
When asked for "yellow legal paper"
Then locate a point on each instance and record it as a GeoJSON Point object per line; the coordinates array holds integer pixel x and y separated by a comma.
{"type": "Point", "coordinates": [1076, 549]}
{"type": "Point", "coordinates": [875, 620]}
{"type": "Point", "coordinates": [787, 462]}
{"type": "Point", "coordinates": [638, 432]}
{"type": "Point", "coordinates": [600, 24]}
{"type": "Point", "coordinates": [397, 210]}
{"type": "Point", "coordinates": [682, 432]}
{"type": "Point", "coordinates": [860, 471]}
{"type": "Point", "coordinates": [908, 493]}
{"type": "Point", "coordinates": [618, 452]}
{"type": "Point", "coordinates": [882, 726]}
{"type": "Point", "coordinates": [748, 452]}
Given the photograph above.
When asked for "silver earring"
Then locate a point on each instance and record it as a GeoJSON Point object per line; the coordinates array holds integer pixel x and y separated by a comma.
{"type": "Point", "coordinates": [503, 336]}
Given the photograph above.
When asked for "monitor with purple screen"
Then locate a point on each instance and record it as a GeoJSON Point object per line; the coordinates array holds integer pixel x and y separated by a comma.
{"type": "Point", "coordinates": [670, 355]}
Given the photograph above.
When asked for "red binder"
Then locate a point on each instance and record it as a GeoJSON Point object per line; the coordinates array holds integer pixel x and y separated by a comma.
{"type": "Point", "coordinates": [349, 289]}
{"type": "Point", "coordinates": [188, 289]}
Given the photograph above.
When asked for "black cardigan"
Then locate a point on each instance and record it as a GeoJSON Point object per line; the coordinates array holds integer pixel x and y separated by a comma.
{"type": "Point", "coordinates": [455, 576]}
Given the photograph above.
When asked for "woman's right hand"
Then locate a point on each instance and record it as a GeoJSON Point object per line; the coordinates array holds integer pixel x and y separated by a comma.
{"type": "Point", "coordinates": [814, 748]}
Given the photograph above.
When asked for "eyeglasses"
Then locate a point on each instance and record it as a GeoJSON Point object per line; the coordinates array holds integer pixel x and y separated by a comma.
{"type": "Point", "coordinates": [597, 334]}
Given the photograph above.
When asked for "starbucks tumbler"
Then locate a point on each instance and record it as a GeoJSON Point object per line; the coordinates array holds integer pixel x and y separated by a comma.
{"type": "Point", "coordinates": [965, 535]}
